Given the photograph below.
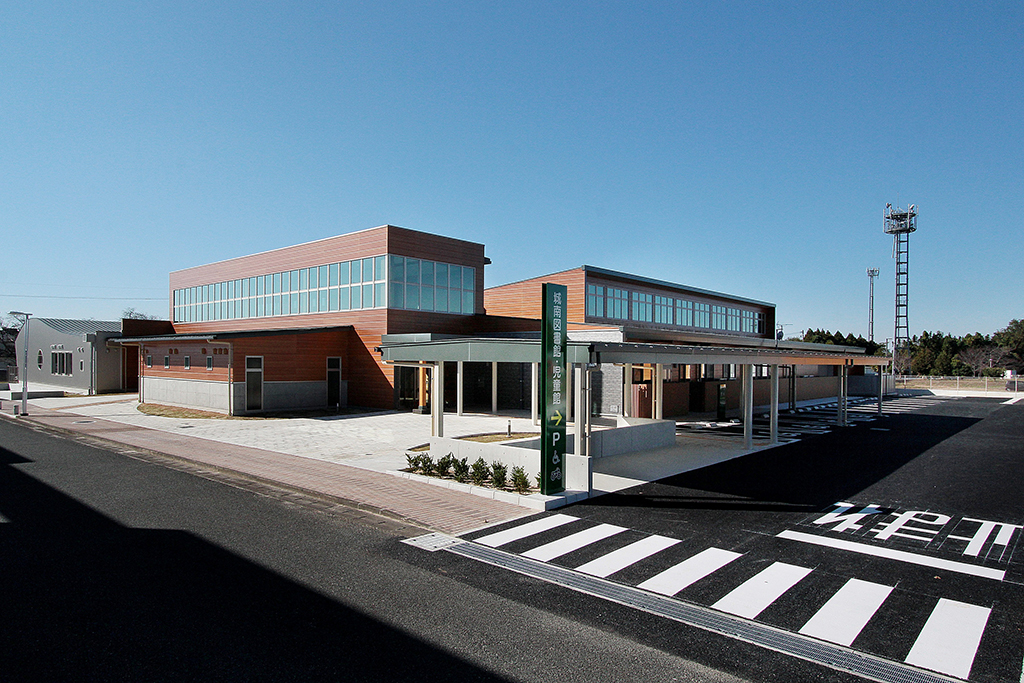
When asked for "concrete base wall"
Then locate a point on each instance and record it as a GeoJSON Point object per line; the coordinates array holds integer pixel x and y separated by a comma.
{"type": "Point", "coordinates": [632, 434]}
{"type": "Point", "coordinates": [189, 393]}
{"type": "Point", "coordinates": [289, 396]}
{"type": "Point", "coordinates": [577, 473]}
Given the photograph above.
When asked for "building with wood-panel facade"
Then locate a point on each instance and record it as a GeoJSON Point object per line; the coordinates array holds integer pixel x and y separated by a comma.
{"type": "Point", "coordinates": [300, 327]}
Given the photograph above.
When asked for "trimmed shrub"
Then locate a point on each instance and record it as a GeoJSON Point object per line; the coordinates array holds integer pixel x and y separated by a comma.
{"type": "Point", "coordinates": [460, 469]}
{"type": "Point", "coordinates": [444, 465]}
{"type": "Point", "coordinates": [520, 482]}
{"type": "Point", "coordinates": [499, 475]}
{"type": "Point", "coordinates": [479, 472]}
{"type": "Point", "coordinates": [427, 465]}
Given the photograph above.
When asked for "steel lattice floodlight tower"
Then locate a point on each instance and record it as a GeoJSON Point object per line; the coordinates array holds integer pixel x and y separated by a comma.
{"type": "Point", "coordinates": [872, 274]}
{"type": "Point", "coordinates": [900, 223]}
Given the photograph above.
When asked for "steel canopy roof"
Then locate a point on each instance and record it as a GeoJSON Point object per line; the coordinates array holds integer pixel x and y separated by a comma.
{"type": "Point", "coordinates": [506, 350]}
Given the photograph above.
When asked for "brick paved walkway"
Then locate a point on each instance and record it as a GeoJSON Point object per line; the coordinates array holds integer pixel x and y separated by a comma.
{"type": "Point", "coordinates": [421, 504]}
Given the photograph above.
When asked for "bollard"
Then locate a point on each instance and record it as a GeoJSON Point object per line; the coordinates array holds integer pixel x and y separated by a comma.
{"type": "Point", "coordinates": [15, 410]}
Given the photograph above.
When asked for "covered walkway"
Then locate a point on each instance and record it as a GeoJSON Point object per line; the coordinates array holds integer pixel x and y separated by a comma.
{"type": "Point", "coordinates": [429, 353]}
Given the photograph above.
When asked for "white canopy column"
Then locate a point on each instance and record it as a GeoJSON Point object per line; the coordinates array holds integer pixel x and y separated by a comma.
{"type": "Point", "coordinates": [659, 392]}
{"type": "Point", "coordinates": [627, 390]}
{"type": "Point", "coordinates": [581, 409]}
{"type": "Point", "coordinates": [437, 399]}
{"type": "Point", "coordinates": [774, 429]}
{"type": "Point", "coordinates": [534, 391]}
{"type": "Point", "coordinates": [494, 387]}
{"type": "Point", "coordinates": [844, 375]}
{"type": "Point", "coordinates": [460, 382]}
{"type": "Point", "coordinates": [747, 372]}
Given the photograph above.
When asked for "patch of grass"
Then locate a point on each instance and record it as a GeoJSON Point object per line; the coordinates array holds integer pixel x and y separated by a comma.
{"type": "Point", "coordinates": [190, 413]}
{"type": "Point", "coordinates": [498, 436]}
{"type": "Point", "coordinates": [482, 438]}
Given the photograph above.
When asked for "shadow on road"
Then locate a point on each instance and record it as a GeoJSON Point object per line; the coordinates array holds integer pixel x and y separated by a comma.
{"type": "Point", "coordinates": [805, 476]}
{"type": "Point", "coordinates": [86, 598]}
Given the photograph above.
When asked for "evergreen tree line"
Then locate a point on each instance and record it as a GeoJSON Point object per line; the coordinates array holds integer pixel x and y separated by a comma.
{"type": "Point", "coordinates": [935, 353]}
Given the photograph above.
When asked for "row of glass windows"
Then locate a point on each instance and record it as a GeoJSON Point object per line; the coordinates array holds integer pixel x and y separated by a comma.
{"type": "Point", "coordinates": [350, 285]}
{"type": "Point", "coordinates": [421, 285]}
{"type": "Point", "coordinates": [619, 304]}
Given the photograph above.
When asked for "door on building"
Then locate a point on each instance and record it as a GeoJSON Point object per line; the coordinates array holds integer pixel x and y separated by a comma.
{"type": "Point", "coordinates": [253, 383]}
{"type": "Point", "coordinates": [333, 381]}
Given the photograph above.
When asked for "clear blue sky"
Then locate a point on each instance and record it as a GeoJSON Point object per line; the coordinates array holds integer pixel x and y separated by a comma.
{"type": "Point", "coordinates": [745, 147]}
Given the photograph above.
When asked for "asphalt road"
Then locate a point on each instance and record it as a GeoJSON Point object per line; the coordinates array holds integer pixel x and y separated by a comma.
{"type": "Point", "coordinates": [897, 539]}
{"type": "Point", "coordinates": [117, 566]}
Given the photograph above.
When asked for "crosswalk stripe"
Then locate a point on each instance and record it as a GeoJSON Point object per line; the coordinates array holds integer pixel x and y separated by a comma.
{"type": "Point", "coordinates": [950, 638]}
{"type": "Point", "coordinates": [617, 560]}
{"type": "Point", "coordinates": [678, 577]}
{"type": "Point", "coordinates": [529, 529]}
{"type": "Point", "coordinates": [751, 597]}
{"type": "Point", "coordinates": [843, 617]}
{"type": "Point", "coordinates": [562, 546]}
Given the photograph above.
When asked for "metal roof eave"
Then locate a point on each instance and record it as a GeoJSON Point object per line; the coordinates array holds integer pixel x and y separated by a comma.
{"type": "Point", "coordinates": [528, 351]}
{"type": "Point", "coordinates": [713, 355]}
{"type": "Point", "coordinates": [478, 350]}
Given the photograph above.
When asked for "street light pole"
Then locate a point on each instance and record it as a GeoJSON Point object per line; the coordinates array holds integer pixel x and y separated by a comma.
{"type": "Point", "coordinates": [24, 379]}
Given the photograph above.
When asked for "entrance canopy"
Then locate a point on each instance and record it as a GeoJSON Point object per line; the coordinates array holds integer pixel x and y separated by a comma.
{"type": "Point", "coordinates": [431, 349]}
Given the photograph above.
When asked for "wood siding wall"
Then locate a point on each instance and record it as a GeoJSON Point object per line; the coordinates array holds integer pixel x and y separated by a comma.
{"type": "Point", "coordinates": [523, 299]}
{"type": "Point", "coordinates": [176, 351]}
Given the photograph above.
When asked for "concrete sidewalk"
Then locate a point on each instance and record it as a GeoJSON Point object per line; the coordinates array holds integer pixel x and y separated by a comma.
{"type": "Point", "coordinates": [417, 503]}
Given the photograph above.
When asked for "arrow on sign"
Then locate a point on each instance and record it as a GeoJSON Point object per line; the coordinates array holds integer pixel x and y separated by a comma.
{"type": "Point", "coordinates": [557, 419]}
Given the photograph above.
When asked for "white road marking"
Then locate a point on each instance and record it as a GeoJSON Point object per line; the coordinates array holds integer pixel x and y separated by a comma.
{"type": "Point", "coordinates": [529, 529]}
{"type": "Point", "coordinates": [950, 638]}
{"type": "Point", "coordinates": [1013, 401]}
{"type": "Point", "coordinates": [606, 565]}
{"type": "Point", "coordinates": [841, 619]}
{"type": "Point", "coordinates": [550, 551]}
{"type": "Point", "coordinates": [751, 597]}
{"type": "Point", "coordinates": [678, 577]}
{"type": "Point", "coordinates": [891, 554]}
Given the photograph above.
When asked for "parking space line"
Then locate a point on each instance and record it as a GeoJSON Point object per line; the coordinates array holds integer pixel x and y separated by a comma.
{"type": "Point", "coordinates": [529, 529]}
{"type": "Point", "coordinates": [617, 560]}
{"type": "Point", "coordinates": [754, 595]}
{"type": "Point", "coordinates": [843, 617]}
{"type": "Point", "coordinates": [562, 546]}
{"type": "Point", "coordinates": [950, 638]}
{"type": "Point", "coordinates": [678, 577]}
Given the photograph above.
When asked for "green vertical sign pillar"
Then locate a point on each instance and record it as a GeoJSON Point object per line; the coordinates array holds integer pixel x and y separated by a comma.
{"type": "Point", "coordinates": [553, 389]}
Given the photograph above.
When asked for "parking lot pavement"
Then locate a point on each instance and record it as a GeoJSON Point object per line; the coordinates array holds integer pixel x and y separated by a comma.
{"type": "Point", "coordinates": [892, 544]}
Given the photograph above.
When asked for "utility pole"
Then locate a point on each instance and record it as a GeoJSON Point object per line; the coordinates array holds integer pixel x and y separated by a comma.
{"type": "Point", "coordinates": [872, 274]}
{"type": "Point", "coordinates": [24, 367]}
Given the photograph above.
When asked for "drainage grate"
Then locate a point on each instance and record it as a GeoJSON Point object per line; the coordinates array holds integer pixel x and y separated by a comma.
{"type": "Point", "coordinates": [433, 542]}
{"type": "Point", "coordinates": [792, 644]}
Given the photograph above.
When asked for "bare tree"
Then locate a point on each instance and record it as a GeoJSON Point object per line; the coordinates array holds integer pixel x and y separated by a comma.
{"type": "Point", "coordinates": [979, 358]}
{"type": "Point", "coordinates": [131, 314]}
{"type": "Point", "coordinates": [901, 362]}
{"type": "Point", "coordinates": [10, 326]}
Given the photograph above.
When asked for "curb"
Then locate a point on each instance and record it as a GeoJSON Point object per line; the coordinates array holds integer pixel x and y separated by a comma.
{"type": "Point", "coordinates": [533, 501]}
